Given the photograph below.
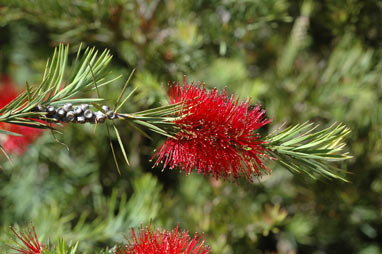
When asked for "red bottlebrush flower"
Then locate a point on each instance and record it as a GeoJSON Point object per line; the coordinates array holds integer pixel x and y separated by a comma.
{"type": "Point", "coordinates": [7, 91]}
{"type": "Point", "coordinates": [29, 242]}
{"type": "Point", "coordinates": [19, 144]}
{"type": "Point", "coordinates": [13, 144]}
{"type": "Point", "coordinates": [217, 134]}
{"type": "Point", "coordinates": [148, 241]}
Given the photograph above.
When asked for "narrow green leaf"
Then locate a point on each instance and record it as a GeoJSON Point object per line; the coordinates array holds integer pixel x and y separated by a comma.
{"type": "Point", "coordinates": [107, 82]}
{"type": "Point", "coordinates": [94, 80]}
{"type": "Point", "coordinates": [99, 107]}
{"type": "Point", "coordinates": [28, 91]}
{"type": "Point", "coordinates": [10, 133]}
{"type": "Point", "coordinates": [32, 124]}
{"type": "Point", "coordinates": [116, 106]}
{"type": "Point", "coordinates": [121, 144]}
{"type": "Point", "coordinates": [78, 51]}
{"type": "Point", "coordinates": [114, 157]}
{"type": "Point", "coordinates": [113, 151]}
{"type": "Point", "coordinates": [5, 153]}
{"type": "Point", "coordinates": [160, 109]}
{"type": "Point", "coordinates": [154, 128]}
{"type": "Point", "coordinates": [125, 100]}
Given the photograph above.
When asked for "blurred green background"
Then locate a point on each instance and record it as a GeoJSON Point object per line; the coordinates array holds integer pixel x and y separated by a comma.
{"type": "Point", "coordinates": [302, 60]}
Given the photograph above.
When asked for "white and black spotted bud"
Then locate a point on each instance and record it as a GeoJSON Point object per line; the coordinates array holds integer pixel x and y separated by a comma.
{"type": "Point", "coordinates": [67, 106]}
{"type": "Point", "coordinates": [84, 107]}
{"type": "Point", "coordinates": [70, 116]}
{"type": "Point", "coordinates": [51, 110]}
{"type": "Point", "coordinates": [88, 114]}
{"type": "Point", "coordinates": [77, 111]}
{"type": "Point", "coordinates": [77, 114]}
{"type": "Point", "coordinates": [100, 117]}
{"type": "Point", "coordinates": [80, 119]}
{"type": "Point", "coordinates": [41, 108]}
{"type": "Point", "coordinates": [105, 108]}
{"type": "Point", "coordinates": [61, 112]}
{"type": "Point", "coordinates": [111, 115]}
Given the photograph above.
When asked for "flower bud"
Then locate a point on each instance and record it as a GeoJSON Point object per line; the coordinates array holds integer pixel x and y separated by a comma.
{"type": "Point", "coordinates": [80, 119]}
{"type": "Point", "coordinates": [70, 116]}
{"type": "Point", "coordinates": [111, 115]}
{"type": "Point", "coordinates": [61, 112]}
{"type": "Point", "coordinates": [67, 106]}
{"type": "Point", "coordinates": [40, 108]}
{"type": "Point", "coordinates": [100, 117]}
{"type": "Point", "coordinates": [88, 114]}
{"type": "Point", "coordinates": [105, 108]}
{"type": "Point", "coordinates": [77, 111]}
{"type": "Point", "coordinates": [84, 107]}
{"type": "Point", "coordinates": [51, 110]}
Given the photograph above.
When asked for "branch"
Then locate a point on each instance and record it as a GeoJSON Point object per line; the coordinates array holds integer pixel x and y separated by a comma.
{"type": "Point", "coordinates": [53, 100]}
{"type": "Point", "coordinates": [300, 149]}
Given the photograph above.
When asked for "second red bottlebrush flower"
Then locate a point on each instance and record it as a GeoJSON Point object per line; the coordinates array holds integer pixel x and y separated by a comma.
{"type": "Point", "coordinates": [13, 144]}
{"type": "Point", "coordinates": [29, 242]}
{"type": "Point", "coordinates": [218, 134]}
{"type": "Point", "coordinates": [148, 241]}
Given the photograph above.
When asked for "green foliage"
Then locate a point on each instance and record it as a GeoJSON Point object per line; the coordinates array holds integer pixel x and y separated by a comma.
{"type": "Point", "coordinates": [299, 149]}
{"type": "Point", "coordinates": [61, 248]}
{"type": "Point", "coordinates": [51, 90]}
{"type": "Point", "coordinates": [302, 60]}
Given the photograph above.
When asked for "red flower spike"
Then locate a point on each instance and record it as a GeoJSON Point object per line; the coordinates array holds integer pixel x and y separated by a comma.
{"type": "Point", "coordinates": [147, 241]}
{"type": "Point", "coordinates": [15, 144]}
{"type": "Point", "coordinates": [217, 134]}
{"type": "Point", "coordinates": [7, 91]}
{"type": "Point", "coordinates": [30, 243]}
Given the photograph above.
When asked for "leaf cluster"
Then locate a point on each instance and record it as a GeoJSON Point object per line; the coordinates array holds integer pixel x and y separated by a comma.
{"type": "Point", "coordinates": [300, 148]}
{"type": "Point", "coordinates": [54, 89]}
